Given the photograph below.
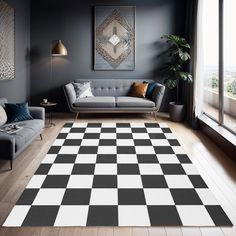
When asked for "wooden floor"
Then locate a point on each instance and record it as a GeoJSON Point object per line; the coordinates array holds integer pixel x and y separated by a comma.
{"type": "Point", "coordinates": [214, 166]}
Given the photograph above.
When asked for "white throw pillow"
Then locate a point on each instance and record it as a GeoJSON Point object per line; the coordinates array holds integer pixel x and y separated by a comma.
{"type": "Point", "coordinates": [83, 90]}
{"type": "Point", "coordinates": [3, 116]}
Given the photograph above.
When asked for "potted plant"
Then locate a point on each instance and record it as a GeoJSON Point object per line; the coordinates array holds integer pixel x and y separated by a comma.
{"type": "Point", "coordinates": [178, 55]}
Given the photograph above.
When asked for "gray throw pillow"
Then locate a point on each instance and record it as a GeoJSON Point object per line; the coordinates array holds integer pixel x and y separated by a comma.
{"type": "Point", "coordinates": [83, 90]}
{"type": "Point", "coordinates": [3, 116]}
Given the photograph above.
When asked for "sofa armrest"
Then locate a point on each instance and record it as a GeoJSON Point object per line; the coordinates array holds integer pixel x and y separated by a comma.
{"type": "Point", "coordinates": [70, 95]}
{"type": "Point", "coordinates": [7, 146]}
{"type": "Point", "coordinates": [37, 112]}
{"type": "Point", "coordinates": [158, 95]}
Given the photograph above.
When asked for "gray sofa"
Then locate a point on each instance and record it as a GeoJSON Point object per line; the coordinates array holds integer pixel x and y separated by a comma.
{"type": "Point", "coordinates": [111, 95]}
{"type": "Point", "coordinates": [12, 145]}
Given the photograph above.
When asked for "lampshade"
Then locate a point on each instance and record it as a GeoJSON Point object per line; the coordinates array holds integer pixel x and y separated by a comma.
{"type": "Point", "coordinates": [59, 49]}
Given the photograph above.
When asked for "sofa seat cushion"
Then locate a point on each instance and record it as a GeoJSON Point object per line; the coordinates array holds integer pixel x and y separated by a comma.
{"type": "Point", "coordinates": [127, 101]}
{"type": "Point", "coordinates": [31, 128]}
{"type": "Point", "coordinates": [95, 102]}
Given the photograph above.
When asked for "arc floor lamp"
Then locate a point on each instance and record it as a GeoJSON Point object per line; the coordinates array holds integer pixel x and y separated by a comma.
{"type": "Point", "coordinates": [58, 49]}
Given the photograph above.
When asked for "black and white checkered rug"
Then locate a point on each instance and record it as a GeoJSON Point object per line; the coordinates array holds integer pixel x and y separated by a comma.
{"type": "Point", "coordinates": [116, 174]}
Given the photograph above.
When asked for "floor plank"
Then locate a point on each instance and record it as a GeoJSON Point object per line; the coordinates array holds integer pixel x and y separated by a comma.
{"type": "Point", "coordinates": [122, 231]}
{"type": "Point", "coordinates": [154, 231]}
{"type": "Point", "coordinates": [211, 231]}
{"type": "Point", "coordinates": [72, 231]}
{"type": "Point", "coordinates": [173, 231]}
{"type": "Point", "coordinates": [139, 231]}
{"type": "Point", "coordinates": [89, 231]}
{"type": "Point", "coordinates": [193, 231]}
{"type": "Point", "coordinates": [105, 231]}
{"type": "Point", "coordinates": [229, 231]}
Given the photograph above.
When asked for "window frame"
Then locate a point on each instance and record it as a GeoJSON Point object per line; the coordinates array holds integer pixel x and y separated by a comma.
{"type": "Point", "coordinates": [220, 120]}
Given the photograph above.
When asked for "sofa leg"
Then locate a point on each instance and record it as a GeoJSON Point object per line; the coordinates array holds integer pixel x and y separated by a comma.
{"type": "Point", "coordinates": [41, 136]}
{"type": "Point", "coordinates": [11, 164]}
{"type": "Point", "coordinates": [76, 116]}
{"type": "Point", "coordinates": [155, 115]}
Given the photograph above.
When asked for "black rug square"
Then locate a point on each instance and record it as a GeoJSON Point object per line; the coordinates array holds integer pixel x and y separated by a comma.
{"type": "Point", "coordinates": [173, 169]}
{"type": "Point", "coordinates": [106, 158]}
{"type": "Point", "coordinates": [102, 216]}
{"type": "Point", "coordinates": [76, 197]}
{"type": "Point", "coordinates": [154, 181]}
{"type": "Point", "coordinates": [105, 181]}
{"type": "Point", "coordinates": [72, 142]}
{"type": "Point", "coordinates": [124, 136]}
{"type": "Point", "coordinates": [125, 150]}
{"type": "Point", "coordinates": [88, 150]}
{"type": "Point", "coordinates": [27, 197]}
{"type": "Point", "coordinates": [164, 215]}
{"type": "Point", "coordinates": [56, 181]}
{"type": "Point", "coordinates": [197, 181]}
{"type": "Point", "coordinates": [147, 158]}
{"type": "Point", "coordinates": [131, 197]}
{"type": "Point", "coordinates": [41, 216]}
{"type": "Point", "coordinates": [163, 150]}
{"type": "Point", "coordinates": [65, 158]}
{"type": "Point", "coordinates": [185, 197]}
{"type": "Point", "coordinates": [83, 169]}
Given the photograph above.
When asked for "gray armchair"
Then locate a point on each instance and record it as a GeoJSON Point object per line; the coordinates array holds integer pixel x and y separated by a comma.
{"type": "Point", "coordinates": [12, 145]}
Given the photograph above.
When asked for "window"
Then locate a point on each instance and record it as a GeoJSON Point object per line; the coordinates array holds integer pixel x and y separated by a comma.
{"type": "Point", "coordinates": [210, 44]}
{"type": "Point", "coordinates": [218, 66]}
{"type": "Point", "coordinates": [229, 64]}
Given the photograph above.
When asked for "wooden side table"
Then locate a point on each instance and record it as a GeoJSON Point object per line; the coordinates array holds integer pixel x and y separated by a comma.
{"type": "Point", "coordinates": [49, 106]}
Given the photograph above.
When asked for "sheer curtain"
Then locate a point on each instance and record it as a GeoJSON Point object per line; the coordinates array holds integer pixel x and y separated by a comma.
{"type": "Point", "coordinates": [199, 67]}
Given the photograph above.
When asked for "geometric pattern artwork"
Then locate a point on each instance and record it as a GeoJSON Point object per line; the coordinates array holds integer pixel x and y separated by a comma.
{"type": "Point", "coordinates": [116, 174]}
{"type": "Point", "coordinates": [7, 31]}
{"type": "Point", "coordinates": [114, 38]}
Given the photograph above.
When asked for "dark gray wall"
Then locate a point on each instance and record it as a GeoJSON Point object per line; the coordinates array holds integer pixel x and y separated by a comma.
{"type": "Point", "coordinates": [72, 21]}
{"type": "Point", "coordinates": [18, 90]}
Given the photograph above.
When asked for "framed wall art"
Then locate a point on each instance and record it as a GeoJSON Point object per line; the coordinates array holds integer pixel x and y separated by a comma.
{"type": "Point", "coordinates": [114, 43]}
{"type": "Point", "coordinates": [7, 41]}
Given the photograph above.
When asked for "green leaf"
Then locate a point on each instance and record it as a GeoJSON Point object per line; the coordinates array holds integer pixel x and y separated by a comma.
{"type": "Point", "coordinates": [176, 40]}
{"type": "Point", "coordinates": [178, 55]}
{"type": "Point", "coordinates": [184, 56]}
{"type": "Point", "coordinates": [190, 78]}
{"type": "Point", "coordinates": [184, 76]}
{"type": "Point", "coordinates": [170, 83]}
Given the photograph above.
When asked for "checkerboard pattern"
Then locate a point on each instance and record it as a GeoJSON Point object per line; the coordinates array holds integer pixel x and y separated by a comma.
{"type": "Point", "coordinates": [116, 174]}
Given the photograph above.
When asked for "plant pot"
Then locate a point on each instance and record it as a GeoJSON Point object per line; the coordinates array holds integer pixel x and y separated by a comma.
{"type": "Point", "coordinates": [177, 111]}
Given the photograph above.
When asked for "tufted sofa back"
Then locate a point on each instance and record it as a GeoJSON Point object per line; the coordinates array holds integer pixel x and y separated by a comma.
{"type": "Point", "coordinates": [110, 87]}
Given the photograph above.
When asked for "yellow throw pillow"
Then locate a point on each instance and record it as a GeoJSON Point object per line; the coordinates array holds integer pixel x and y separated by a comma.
{"type": "Point", "coordinates": [138, 90]}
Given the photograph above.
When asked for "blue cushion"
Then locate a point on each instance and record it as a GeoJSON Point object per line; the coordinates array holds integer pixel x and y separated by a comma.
{"type": "Point", "coordinates": [150, 89]}
{"type": "Point", "coordinates": [17, 112]}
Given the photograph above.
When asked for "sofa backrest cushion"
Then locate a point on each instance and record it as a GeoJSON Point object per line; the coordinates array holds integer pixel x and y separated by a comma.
{"type": "Point", "coordinates": [111, 87]}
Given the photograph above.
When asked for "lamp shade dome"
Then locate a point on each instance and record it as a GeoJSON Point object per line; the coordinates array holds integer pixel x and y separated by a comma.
{"type": "Point", "coordinates": [59, 49]}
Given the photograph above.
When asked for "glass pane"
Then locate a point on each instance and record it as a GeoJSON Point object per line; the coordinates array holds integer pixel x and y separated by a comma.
{"type": "Point", "coordinates": [210, 50]}
{"type": "Point", "coordinates": [230, 64]}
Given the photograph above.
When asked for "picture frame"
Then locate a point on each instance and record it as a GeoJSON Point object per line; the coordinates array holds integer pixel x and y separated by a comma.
{"type": "Point", "coordinates": [114, 38]}
{"type": "Point", "coordinates": [7, 44]}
